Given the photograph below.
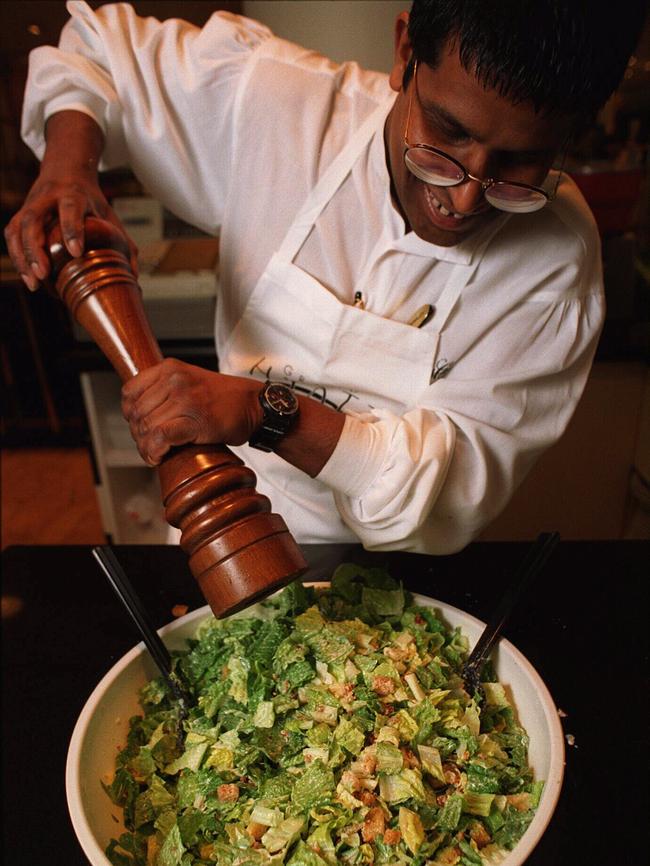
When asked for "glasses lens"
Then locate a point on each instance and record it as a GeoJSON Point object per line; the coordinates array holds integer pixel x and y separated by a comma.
{"type": "Point", "coordinates": [515, 198]}
{"type": "Point", "coordinates": [433, 168]}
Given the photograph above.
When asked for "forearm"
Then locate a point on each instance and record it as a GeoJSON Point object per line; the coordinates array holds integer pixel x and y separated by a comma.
{"type": "Point", "coordinates": [74, 144]}
{"type": "Point", "coordinates": [311, 442]}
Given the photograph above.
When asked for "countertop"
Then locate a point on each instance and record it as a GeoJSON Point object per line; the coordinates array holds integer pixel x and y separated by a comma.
{"type": "Point", "coordinates": [584, 627]}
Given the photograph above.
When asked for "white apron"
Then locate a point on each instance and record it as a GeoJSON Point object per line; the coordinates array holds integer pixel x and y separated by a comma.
{"type": "Point", "coordinates": [294, 330]}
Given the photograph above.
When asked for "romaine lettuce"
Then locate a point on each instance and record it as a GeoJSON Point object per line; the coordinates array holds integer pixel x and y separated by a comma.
{"type": "Point", "coordinates": [329, 727]}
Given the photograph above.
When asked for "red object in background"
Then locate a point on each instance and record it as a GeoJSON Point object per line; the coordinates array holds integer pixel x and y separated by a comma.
{"type": "Point", "coordinates": [613, 197]}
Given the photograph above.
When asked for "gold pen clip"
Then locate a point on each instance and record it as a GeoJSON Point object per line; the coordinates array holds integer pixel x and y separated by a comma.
{"type": "Point", "coordinates": [422, 316]}
{"type": "Point", "coordinates": [358, 301]}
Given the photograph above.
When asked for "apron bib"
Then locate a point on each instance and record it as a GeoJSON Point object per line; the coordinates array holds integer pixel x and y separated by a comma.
{"type": "Point", "coordinates": [293, 330]}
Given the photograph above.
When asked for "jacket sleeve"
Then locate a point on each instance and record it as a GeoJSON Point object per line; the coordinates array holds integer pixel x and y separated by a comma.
{"type": "Point", "coordinates": [164, 94]}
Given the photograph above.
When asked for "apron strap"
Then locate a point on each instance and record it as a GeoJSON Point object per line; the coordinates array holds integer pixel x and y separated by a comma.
{"type": "Point", "coordinates": [460, 277]}
{"type": "Point", "coordinates": [330, 182]}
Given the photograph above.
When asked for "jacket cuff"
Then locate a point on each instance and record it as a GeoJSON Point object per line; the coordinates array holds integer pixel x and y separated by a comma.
{"type": "Point", "coordinates": [357, 459]}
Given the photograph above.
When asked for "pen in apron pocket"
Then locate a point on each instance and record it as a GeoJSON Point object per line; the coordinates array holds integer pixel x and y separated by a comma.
{"type": "Point", "coordinates": [422, 316]}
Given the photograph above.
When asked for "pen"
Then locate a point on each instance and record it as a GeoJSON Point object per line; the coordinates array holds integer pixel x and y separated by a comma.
{"type": "Point", "coordinates": [422, 316]}
{"type": "Point", "coordinates": [358, 300]}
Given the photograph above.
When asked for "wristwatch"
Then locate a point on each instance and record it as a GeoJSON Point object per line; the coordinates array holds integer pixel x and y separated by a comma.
{"type": "Point", "coordinates": [281, 409]}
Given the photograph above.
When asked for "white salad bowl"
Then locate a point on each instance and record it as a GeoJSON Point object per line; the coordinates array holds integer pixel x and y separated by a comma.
{"type": "Point", "coordinates": [102, 728]}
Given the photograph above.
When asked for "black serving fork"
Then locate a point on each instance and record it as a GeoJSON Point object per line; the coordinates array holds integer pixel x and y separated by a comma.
{"type": "Point", "coordinates": [529, 568]}
{"type": "Point", "coordinates": [133, 604]}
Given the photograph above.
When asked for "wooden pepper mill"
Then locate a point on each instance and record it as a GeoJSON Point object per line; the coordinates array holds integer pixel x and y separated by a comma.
{"type": "Point", "coordinates": [238, 550]}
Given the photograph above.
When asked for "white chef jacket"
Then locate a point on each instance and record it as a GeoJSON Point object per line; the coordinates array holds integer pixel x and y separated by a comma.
{"type": "Point", "coordinates": [232, 128]}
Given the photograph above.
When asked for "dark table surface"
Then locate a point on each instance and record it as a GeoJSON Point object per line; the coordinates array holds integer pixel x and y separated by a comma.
{"type": "Point", "coordinates": [584, 627]}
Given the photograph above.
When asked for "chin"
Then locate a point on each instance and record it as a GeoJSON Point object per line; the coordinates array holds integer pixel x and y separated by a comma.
{"type": "Point", "coordinates": [440, 238]}
{"type": "Point", "coordinates": [433, 234]}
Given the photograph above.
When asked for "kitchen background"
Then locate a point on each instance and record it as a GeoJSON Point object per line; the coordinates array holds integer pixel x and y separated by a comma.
{"type": "Point", "coordinates": [69, 471]}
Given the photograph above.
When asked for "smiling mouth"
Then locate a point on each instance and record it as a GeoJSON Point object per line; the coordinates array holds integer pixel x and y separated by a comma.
{"type": "Point", "coordinates": [438, 205]}
{"type": "Point", "coordinates": [454, 218]}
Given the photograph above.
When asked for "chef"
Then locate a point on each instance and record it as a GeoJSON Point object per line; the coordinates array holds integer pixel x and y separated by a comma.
{"type": "Point", "coordinates": [410, 296]}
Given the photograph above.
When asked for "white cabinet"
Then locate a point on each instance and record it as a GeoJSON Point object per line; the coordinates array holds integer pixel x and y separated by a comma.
{"type": "Point", "coordinates": [127, 490]}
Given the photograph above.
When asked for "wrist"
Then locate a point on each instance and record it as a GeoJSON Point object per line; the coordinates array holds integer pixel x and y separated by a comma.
{"type": "Point", "coordinates": [74, 144]}
{"type": "Point", "coordinates": [61, 170]}
{"type": "Point", "coordinates": [254, 408]}
{"type": "Point", "coordinates": [280, 410]}
{"type": "Point", "coordinates": [311, 441]}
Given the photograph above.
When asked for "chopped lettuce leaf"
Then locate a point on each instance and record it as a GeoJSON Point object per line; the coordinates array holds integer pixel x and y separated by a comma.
{"type": "Point", "coordinates": [349, 736]}
{"type": "Point", "coordinates": [264, 716]}
{"type": "Point", "coordinates": [450, 813]}
{"type": "Point", "coordinates": [172, 849]}
{"type": "Point", "coordinates": [411, 829]}
{"type": "Point", "coordinates": [432, 762]}
{"type": "Point", "coordinates": [195, 748]}
{"type": "Point", "coordinates": [314, 787]}
{"type": "Point", "coordinates": [282, 836]}
{"type": "Point", "coordinates": [495, 695]}
{"type": "Point", "coordinates": [305, 856]}
{"type": "Point", "coordinates": [389, 758]}
{"type": "Point", "coordinates": [477, 804]}
{"type": "Point", "coordinates": [383, 602]}
{"type": "Point", "coordinates": [470, 854]}
{"type": "Point", "coordinates": [402, 786]}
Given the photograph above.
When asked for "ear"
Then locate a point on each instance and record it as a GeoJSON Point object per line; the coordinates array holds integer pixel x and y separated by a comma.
{"type": "Point", "coordinates": [402, 53]}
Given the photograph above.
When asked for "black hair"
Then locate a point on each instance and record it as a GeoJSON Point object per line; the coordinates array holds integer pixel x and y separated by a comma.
{"type": "Point", "coordinates": [564, 56]}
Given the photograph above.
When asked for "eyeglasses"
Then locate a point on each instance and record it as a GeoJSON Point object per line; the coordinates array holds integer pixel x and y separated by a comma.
{"type": "Point", "coordinates": [436, 167]}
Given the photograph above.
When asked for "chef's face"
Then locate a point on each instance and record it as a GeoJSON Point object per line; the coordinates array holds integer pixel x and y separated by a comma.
{"type": "Point", "coordinates": [489, 135]}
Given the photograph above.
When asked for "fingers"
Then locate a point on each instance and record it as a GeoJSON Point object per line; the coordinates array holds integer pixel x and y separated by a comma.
{"type": "Point", "coordinates": [26, 235]}
{"type": "Point", "coordinates": [175, 403]}
{"type": "Point", "coordinates": [163, 429]}
{"type": "Point", "coordinates": [149, 406]}
{"type": "Point", "coordinates": [33, 242]}
{"type": "Point", "coordinates": [70, 199]}
{"type": "Point", "coordinates": [135, 388]}
{"type": "Point", "coordinates": [135, 409]}
{"type": "Point", "coordinates": [17, 255]}
{"type": "Point", "coordinates": [46, 199]}
{"type": "Point", "coordinates": [72, 210]}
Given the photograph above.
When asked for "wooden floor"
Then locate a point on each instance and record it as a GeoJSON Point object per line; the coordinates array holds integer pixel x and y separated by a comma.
{"type": "Point", "coordinates": [48, 497]}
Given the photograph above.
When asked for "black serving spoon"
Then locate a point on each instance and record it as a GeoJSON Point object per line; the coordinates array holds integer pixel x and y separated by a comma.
{"type": "Point", "coordinates": [131, 601]}
{"type": "Point", "coordinates": [528, 570]}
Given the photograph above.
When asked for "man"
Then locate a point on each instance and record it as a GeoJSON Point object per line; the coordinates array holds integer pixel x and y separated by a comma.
{"type": "Point", "coordinates": [395, 253]}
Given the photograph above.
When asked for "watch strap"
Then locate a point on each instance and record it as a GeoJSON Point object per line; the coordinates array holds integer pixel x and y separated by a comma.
{"type": "Point", "coordinates": [275, 424]}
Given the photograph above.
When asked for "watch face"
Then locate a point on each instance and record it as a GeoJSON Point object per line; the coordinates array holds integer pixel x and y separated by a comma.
{"type": "Point", "coordinates": [281, 399]}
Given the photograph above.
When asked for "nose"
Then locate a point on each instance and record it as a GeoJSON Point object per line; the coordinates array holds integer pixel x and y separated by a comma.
{"type": "Point", "coordinates": [467, 196]}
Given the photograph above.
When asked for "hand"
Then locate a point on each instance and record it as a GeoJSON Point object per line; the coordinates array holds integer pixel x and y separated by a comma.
{"type": "Point", "coordinates": [70, 197]}
{"type": "Point", "coordinates": [175, 403]}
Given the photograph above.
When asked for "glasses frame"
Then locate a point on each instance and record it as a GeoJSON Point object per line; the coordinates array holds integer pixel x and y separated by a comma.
{"type": "Point", "coordinates": [486, 183]}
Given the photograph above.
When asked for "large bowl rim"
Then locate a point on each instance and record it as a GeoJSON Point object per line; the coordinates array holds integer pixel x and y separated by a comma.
{"type": "Point", "coordinates": [523, 849]}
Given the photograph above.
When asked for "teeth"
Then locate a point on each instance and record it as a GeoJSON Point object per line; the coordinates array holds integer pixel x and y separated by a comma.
{"type": "Point", "coordinates": [443, 210]}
